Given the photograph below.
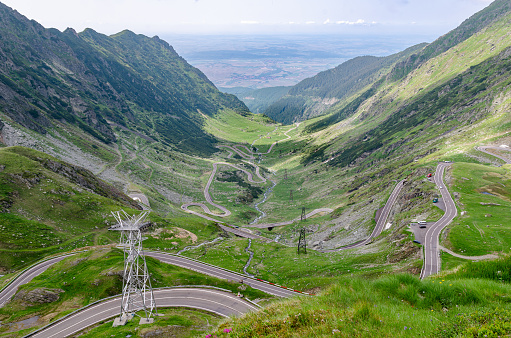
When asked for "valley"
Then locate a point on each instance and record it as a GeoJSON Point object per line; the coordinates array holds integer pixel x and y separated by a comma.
{"type": "Point", "coordinates": [392, 172]}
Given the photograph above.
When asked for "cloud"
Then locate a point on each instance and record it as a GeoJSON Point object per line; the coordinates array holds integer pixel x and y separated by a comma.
{"type": "Point", "coordinates": [327, 21]}
{"type": "Point", "coordinates": [358, 22]}
{"type": "Point", "coordinates": [248, 22]}
{"type": "Point", "coordinates": [310, 22]}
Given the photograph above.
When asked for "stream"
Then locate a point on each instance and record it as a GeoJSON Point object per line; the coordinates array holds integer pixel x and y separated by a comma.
{"type": "Point", "coordinates": [198, 246]}
{"type": "Point", "coordinates": [266, 194]}
{"type": "Point", "coordinates": [251, 253]}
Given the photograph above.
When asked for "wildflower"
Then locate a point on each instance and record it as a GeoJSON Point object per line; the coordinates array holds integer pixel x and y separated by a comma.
{"type": "Point", "coordinates": [405, 327]}
{"type": "Point", "coordinates": [227, 330]}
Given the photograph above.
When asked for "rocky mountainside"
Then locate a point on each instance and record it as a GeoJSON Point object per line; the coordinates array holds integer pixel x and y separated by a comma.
{"type": "Point", "coordinates": [88, 79]}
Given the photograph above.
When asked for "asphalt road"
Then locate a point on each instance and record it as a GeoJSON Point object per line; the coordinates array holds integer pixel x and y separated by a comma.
{"type": "Point", "coordinates": [382, 220]}
{"type": "Point", "coordinates": [271, 225]}
{"type": "Point", "coordinates": [432, 262]}
{"type": "Point", "coordinates": [142, 199]}
{"type": "Point", "coordinates": [26, 277]}
{"type": "Point", "coordinates": [222, 303]}
{"type": "Point", "coordinates": [221, 273]}
{"type": "Point", "coordinates": [207, 195]}
{"type": "Point", "coordinates": [483, 149]}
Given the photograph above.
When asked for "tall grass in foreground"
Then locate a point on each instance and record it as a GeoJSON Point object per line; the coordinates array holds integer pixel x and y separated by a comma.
{"type": "Point", "coordinates": [497, 270]}
{"type": "Point", "coordinates": [397, 306]}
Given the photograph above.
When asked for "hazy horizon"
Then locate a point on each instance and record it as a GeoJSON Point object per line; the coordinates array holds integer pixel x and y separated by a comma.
{"type": "Point", "coordinates": [160, 17]}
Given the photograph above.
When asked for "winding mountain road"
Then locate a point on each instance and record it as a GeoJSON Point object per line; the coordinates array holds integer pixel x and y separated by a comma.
{"type": "Point", "coordinates": [222, 303]}
{"type": "Point", "coordinates": [382, 220]}
{"type": "Point", "coordinates": [202, 298]}
{"type": "Point", "coordinates": [431, 242]}
{"type": "Point", "coordinates": [26, 276]}
{"type": "Point", "coordinates": [483, 149]}
{"type": "Point", "coordinates": [248, 155]}
{"type": "Point", "coordinates": [217, 272]}
{"type": "Point", "coordinates": [207, 195]}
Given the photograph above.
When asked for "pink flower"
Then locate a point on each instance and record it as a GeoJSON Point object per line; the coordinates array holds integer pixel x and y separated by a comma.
{"type": "Point", "coordinates": [227, 330]}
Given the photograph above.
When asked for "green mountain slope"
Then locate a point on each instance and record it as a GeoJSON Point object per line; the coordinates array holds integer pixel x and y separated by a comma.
{"type": "Point", "coordinates": [315, 95]}
{"type": "Point", "coordinates": [49, 206]}
{"type": "Point", "coordinates": [466, 85]}
{"type": "Point", "coordinates": [84, 79]}
{"type": "Point", "coordinates": [467, 29]}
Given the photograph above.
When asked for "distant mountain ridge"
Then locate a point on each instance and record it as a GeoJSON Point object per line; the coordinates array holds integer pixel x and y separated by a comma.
{"type": "Point", "coordinates": [314, 96]}
{"type": "Point", "coordinates": [477, 22]}
{"type": "Point", "coordinates": [258, 100]}
{"type": "Point", "coordinates": [85, 79]}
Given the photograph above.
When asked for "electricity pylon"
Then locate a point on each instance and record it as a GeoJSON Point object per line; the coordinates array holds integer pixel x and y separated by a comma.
{"type": "Point", "coordinates": [302, 244]}
{"type": "Point", "coordinates": [137, 293]}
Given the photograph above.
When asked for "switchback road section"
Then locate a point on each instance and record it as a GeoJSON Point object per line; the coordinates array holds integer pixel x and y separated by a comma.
{"type": "Point", "coordinates": [220, 302]}
{"type": "Point", "coordinates": [217, 272]}
{"type": "Point", "coordinates": [484, 150]}
{"type": "Point", "coordinates": [431, 242]}
{"type": "Point", "coordinates": [382, 220]}
{"type": "Point", "coordinates": [246, 154]}
{"type": "Point", "coordinates": [26, 276]}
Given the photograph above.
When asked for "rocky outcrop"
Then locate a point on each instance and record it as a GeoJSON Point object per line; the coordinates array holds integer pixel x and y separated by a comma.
{"type": "Point", "coordinates": [39, 295]}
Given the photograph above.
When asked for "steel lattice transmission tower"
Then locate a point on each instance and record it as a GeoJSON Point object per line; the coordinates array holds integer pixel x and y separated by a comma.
{"type": "Point", "coordinates": [137, 293]}
{"type": "Point", "coordinates": [302, 244]}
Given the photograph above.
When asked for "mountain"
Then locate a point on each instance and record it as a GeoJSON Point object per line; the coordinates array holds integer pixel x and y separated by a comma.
{"type": "Point", "coordinates": [471, 26]}
{"type": "Point", "coordinates": [258, 100]}
{"type": "Point", "coordinates": [313, 96]}
{"type": "Point", "coordinates": [49, 77]}
{"type": "Point", "coordinates": [444, 94]}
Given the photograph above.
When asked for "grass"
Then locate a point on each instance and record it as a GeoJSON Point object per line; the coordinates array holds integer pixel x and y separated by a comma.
{"type": "Point", "coordinates": [45, 211]}
{"type": "Point", "coordinates": [397, 306]}
{"type": "Point", "coordinates": [450, 262]}
{"type": "Point", "coordinates": [233, 127]}
{"type": "Point", "coordinates": [495, 270]}
{"type": "Point", "coordinates": [484, 193]}
{"type": "Point", "coordinates": [280, 264]}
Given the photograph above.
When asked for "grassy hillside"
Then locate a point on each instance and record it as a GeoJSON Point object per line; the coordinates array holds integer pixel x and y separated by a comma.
{"type": "Point", "coordinates": [50, 206]}
{"type": "Point", "coordinates": [397, 306]}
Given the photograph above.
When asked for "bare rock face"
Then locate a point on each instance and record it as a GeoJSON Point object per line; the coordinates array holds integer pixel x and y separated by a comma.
{"type": "Point", "coordinates": [39, 295]}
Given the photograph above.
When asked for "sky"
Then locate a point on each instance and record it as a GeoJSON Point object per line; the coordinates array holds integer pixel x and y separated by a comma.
{"type": "Point", "coordinates": [153, 17]}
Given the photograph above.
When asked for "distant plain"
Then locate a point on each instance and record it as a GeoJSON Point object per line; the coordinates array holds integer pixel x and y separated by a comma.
{"type": "Point", "coordinates": [261, 61]}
